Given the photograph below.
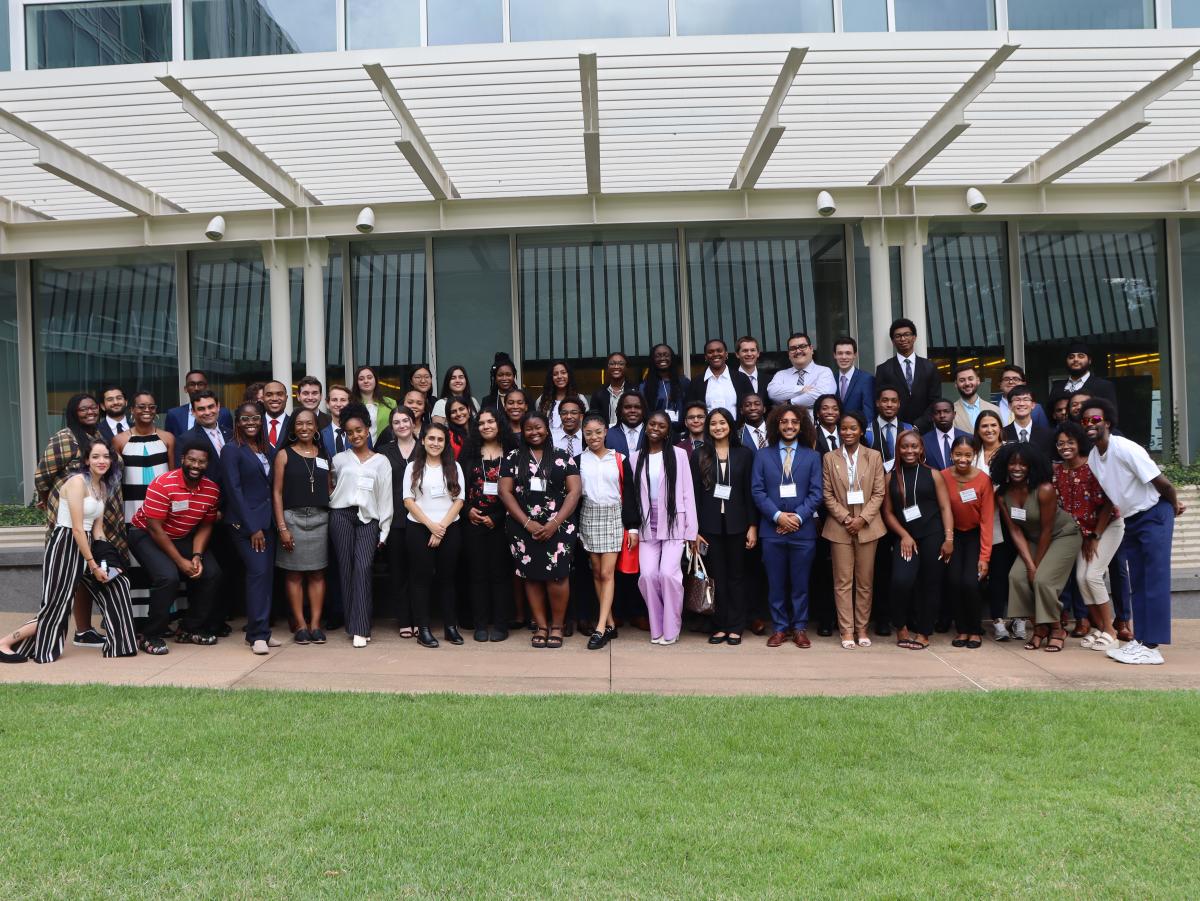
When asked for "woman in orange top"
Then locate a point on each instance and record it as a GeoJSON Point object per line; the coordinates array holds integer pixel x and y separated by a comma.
{"type": "Point", "coordinates": [973, 505]}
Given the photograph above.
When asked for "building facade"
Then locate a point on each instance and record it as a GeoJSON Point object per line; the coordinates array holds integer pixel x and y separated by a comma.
{"type": "Point", "coordinates": [265, 189]}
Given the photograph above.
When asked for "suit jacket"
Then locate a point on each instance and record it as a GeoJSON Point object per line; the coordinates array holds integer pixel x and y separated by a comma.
{"type": "Point", "coordinates": [823, 443]}
{"type": "Point", "coordinates": [1039, 415]}
{"type": "Point", "coordinates": [765, 480]}
{"type": "Point", "coordinates": [747, 436]}
{"type": "Point", "coordinates": [764, 378]}
{"type": "Point", "coordinates": [962, 420]}
{"type": "Point", "coordinates": [698, 389]}
{"type": "Point", "coordinates": [685, 500]}
{"type": "Point", "coordinates": [198, 435]}
{"type": "Point", "coordinates": [1094, 386]}
{"type": "Point", "coordinates": [284, 424]}
{"type": "Point", "coordinates": [177, 419]}
{"type": "Point", "coordinates": [927, 387]}
{"type": "Point", "coordinates": [740, 512]}
{"type": "Point", "coordinates": [933, 447]}
{"type": "Point", "coordinates": [601, 400]}
{"type": "Point", "coordinates": [1042, 439]}
{"type": "Point", "coordinates": [869, 438]}
{"type": "Point", "coordinates": [105, 432]}
{"type": "Point", "coordinates": [835, 482]}
{"type": "Point", "coordinates": [246, 490]}
{"type": "Point", "coordinates": [860, 393]}
{"type": "Point", "coordinates": [616, 440]}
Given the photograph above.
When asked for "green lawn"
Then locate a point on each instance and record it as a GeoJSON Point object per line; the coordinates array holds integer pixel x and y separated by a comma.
{"type": "Point", "coordinates": [129, 792]}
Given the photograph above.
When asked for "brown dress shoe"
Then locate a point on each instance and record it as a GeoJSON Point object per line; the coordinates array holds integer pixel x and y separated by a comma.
{"type": "Point", "coordinates": [758, 627]}
{"type": "Point", "coordinates": [1124, 633]}
{"type": "Point", "coordinates": [641, 622]}
{"type": "Point", "coordinates": [801, 639]}
{"type": "Point", "coordinates": [777, 639]}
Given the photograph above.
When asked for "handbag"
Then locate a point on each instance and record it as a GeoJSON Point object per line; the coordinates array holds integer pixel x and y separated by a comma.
{"type": "Point", "coordinates": [699, 592]}
{"type": "Point", "coordinates": [627, 559]}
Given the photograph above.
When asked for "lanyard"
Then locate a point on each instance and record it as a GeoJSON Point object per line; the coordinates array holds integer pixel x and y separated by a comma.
{"type": "Point", "coordinates": [851, 466]}
{"type": "Point", "coordinates": [904, 486]}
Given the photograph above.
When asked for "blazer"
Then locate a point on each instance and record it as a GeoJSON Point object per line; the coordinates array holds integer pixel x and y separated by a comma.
{"type": "Point", "coordinates": [601, 400]}
{"type": "Point", "coordinates": [698, 389]}
{"type": "Point", "coordinates": [823, 447]}
{"type": "Point", "coordinates": [177, 419]}
{"type": "Point", "coordinates": [1039, 415]}
{"type": "Point", "coordinates": [616, 440]}
{"type": "Point", "coordinates": [1095, 387]}
{"type": "Point", "coordinates": [685, 527]}
{"type": "Point", "coordinates": [284, 424]}
{"type": "Point", "coordinates": [764, 378]}
{"type": "Point", "coordinates": [836, 482]}
{"type": "Point", "coordinates": [869, 438]}
{"type": "Point", "coordinates": [740, 512]}
{"type": "Point", "coordinates": [747, 436]}
{"type": "Point", "coordinates": [927, 387]}
{"type": "Point", "coordinates": [963, 421]}
{"type": "Point", "coordinates": [246, 490]}
{"type": "Point", "coordinates": [765, 480]}
{"type": "Point", "coordinates": [105, 432]}
{"type": "Point", "coordinates": [198, 435]}
{"type": "Point", "coordinates": [1042, 439]}
{"type": "Point", "coordinates": [860, 393]}
{"type": "Point", "coordinates": [933, 447]}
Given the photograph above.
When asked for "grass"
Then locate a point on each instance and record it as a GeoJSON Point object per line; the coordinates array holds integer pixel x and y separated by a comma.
{"type": "Point", "coordinates": [125, 792]}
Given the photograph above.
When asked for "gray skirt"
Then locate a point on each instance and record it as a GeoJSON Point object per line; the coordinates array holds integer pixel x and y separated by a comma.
{"type": "Point", "coordinates": [600, 528]}
{"type": "Point", "coordinates": [310, 531]}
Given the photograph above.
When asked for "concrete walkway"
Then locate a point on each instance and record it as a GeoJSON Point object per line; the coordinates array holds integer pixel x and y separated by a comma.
{"type": "Point", "coordinates": [629, 664]}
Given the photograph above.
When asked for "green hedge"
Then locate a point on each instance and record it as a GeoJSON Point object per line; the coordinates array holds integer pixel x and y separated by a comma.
{"type": "Point", "coordinates": [1183, 475]}
{"type": "Point", "coordinates": [17, 515]}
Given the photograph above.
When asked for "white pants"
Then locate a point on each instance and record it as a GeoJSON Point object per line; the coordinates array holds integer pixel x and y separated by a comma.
{"type": "Point", "coordinates": [1090, 573]}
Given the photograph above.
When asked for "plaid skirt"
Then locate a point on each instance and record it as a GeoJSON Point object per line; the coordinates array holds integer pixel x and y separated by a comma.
{"type": "Point", "coordinates": [600, 528]}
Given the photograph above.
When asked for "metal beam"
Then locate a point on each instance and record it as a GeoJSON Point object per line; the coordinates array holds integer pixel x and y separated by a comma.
{"type": "Point", "coordinates": [1126, 118]}
{"type": "Point", "coordinates": [590, 94]}
{"type": "Point", "coordinates": [69, 164]}
{"type": "Point", "coordinates": [768, 131]}
{"type": "Point", "coordinates": [413, 144]}
{"type": "Point", "coordinates": [1186, 168]}
{"type": "Point", "coordinates": [238, 153]}
{"type": "Point", "coordinates": [943, 126]}
{"type": "Point", "coordinates": [12, 212]}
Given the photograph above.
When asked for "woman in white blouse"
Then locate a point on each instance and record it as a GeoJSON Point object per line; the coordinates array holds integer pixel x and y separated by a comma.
{"type": "Point", "coordinates": [433, 496]}
{"type": "Point", "coordinates": [360, 517]}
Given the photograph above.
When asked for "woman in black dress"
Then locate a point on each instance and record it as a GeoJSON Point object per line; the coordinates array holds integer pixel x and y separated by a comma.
{"type": "Point", "coordinates": [540, 488]}
{"type": "Point", "coordinates": [487, 555]}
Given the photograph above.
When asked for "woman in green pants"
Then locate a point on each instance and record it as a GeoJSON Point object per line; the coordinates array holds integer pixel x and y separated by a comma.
{"type": "Point", "coordinates": [1045, 537]}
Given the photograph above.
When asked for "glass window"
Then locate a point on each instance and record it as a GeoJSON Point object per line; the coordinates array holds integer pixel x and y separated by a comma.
{"type": "Point", "coordinates": [223, 28]}
{"type": "Point", "coordinates": [472, 287]}
{"type": "Point", "coordinates": [1185, 14]}
{"type": "Point", "coordinates": [1098, 284]}
{"type": "Point", "coordinates": [11, 473]}
{"type": "Point", "coordinates": [753, 16]}
{"type": "Point", "coordinates": [864, 15]}
{"type": "Point", "coordinates": [335, 364]}
{"type": "Point", "coordinates": [1189, 234]}
{"type": "Point", "coordinates": [945, 15]}
{"type": "Point", "coordinates": [583, 298]}
{"type": "Point", "coordinates": [384, 23]}
{"type": "Point", "coordinates": [95, 34]}
{"type": "Point", "coordinates": [553, 20]}
{"type": "Point", "coordinates": [465, 21]}
{"type": "Point", "coordinates": [1073, 14]}
{"type": "Point", "coordinates": [5, 58]}
{"type": "Point", "coordinates": [103, 320]}
{"type": "Point", "coordinates": [231, 320]}
{"type": "Point", "coordinates": [768, 286]}
{"type": "Point", "coordinates": [388, 303]}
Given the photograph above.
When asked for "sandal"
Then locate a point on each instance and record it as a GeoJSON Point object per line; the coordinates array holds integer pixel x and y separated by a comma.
{"type": "Point", "coordinates": [540, 636]}
{"type": "Point", "coordinates": [1037, 639]}
{"type": "Point", "coordinates": [555, 641]}
{"type": "Point", "coordinates": [916, 644]}
{"type": "Point", "coordinates": [1061, 638]}
{"type": "Point", "coordinates": [408, 632]}
{"type": "Point", "coordinates": [909, 644]}
{"type": "Point", "coordinates": [153, 646]}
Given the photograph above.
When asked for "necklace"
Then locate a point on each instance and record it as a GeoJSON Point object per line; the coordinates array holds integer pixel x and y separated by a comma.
{"type": "Point", "coordinates": [310, 468]}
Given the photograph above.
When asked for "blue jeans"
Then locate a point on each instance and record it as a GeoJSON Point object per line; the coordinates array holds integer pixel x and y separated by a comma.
{"type": "Point", "coordinates": [1147, 546]}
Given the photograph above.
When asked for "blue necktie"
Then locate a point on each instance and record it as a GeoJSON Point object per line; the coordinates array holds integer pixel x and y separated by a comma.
{"type": "Point", "coordinates": [890, 440]}
{"type": "Point", "coordinates": [908, 375]}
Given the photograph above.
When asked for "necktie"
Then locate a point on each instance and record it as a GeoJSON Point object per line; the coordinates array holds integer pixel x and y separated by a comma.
{"type": "Point", "coordinates": [889, 439]}
{"type": "Point", "coordinates": [787, 462]}
{"type": "Point", "coordinates": [696, 443]}
{"type": "Point", "coordinates": [340, 443]}
{"type": "Point", "coordinates": [760, 437]}
{"type": "Point", "coordinates": [571, 445]}
{"type": "Point", "coordinates": [218, 440]}
{"type": "Point", "coordinates": [273, 437]}
{"type": "Point", "coordinates": [800, 377]}
{"type": "Point", "coordinates": [120, 427]}
{"type": "Point", "coordinates": [908, 375]}
{"type": "Point", "coordinates": [842, 390]}
{"type": "Point", "coordinates": [946, 450]}
{"type": "Point", "coordinates": [1024, 435]}
{"type": "Point", "coordinates": [833, 442]}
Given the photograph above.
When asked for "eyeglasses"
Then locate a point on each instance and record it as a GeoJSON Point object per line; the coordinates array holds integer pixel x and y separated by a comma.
{"type": "Point", "coordinates": [251, 418]}
{"type": "Point", "coordinates": [792, 347]}
{"type": "Point", "coordinates": [146, 408]}
{"type": "Point", "coordinates": [1092, 420]}
{"type": "Point", "coordinates": [87, 408]}
{"type": "Point", "coordinates": [903, 335]}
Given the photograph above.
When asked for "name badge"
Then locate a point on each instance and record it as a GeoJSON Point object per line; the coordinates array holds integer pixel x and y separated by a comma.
{"type": "Point", "coordinates": [439, 491]}
{"type": "Point", "coordinates": [911, 513]}
{"type": "Point", "coordinates": [787, 490]}
{"type": "Point", "coordinates": [967, 495]}
{"type": "Point", "coordinates": [321, 462]}
{"type": "Point", "coordinates": [673, 414]}
{"type": "Point", "coordinates": [179, 506]}
{"type": "Point", "coordinates": [1017, 513]}
{"type": "Point", "coordinates": [536, 484]}
{"type": "Point", "coordinates": [491, 489]}
{"type": "Point", "coordinates": [722, 492]}
{"type": "Point", "coordinates": [855, 497]}
{"type": "Point", "coordinates": [366, 483]}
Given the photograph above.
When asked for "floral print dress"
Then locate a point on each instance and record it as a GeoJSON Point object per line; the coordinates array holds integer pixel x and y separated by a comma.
{"type": "Point", "coordinates": [541, 561]}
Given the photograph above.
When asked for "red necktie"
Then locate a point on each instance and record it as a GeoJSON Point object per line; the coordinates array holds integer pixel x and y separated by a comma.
{"type": "Point", "coordinates": [274, 436]}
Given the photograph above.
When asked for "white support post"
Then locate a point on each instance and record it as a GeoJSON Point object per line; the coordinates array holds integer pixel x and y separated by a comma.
{"type": "Point", "coordinates": [412, 142]}
{"type": "Point", "coordinates": [183, 322]}
{"type": "Point", "coordinates": [875, 237]}
{"type": "Point", "coordinates": [316, 253]}
{"type": "Point", "coordinates": [590, 95]}
{"type": "Point", "coordinates": [768, 131]}
{"type": "Point", "coordinates": [1177, 344]}
{"type": "Point", "coordinates": [1016, 312]}
{"type": "Point", "coordinates": [275, 256]}
{"type": "Point", "coordinates": [25, 369]}
{"type": "Point", "coordinates": [912, 266]}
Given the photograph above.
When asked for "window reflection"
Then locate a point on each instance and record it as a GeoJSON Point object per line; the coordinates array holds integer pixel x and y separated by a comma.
{"type": "Point", "coordinates": [224, 28]}
{"type": "Point", "coordinates": [11, 478]}
{"type": "Point", "coordinates": [754, 16]}
{"type": "Point", "coordinates": [551, 20]}
{"type": "Point", "coordinates": [864, 15]}
{"type": "Point", "coordinates": [383, 23]}
{"type": "Point", "coordinates": [231, 320]}
{"type": "Point", "coordinates": [1185, 14]}
{"type": "Point", "coordinates": [1067, 14]}
{"type": "Point", "coordinates": [94, 34]}
{"type": "Point", "coordinates": [945, 15]}
{"type": "Point", "coordinates": [465, 21]}
{"type": "Point", "coordinates": [388, 308]}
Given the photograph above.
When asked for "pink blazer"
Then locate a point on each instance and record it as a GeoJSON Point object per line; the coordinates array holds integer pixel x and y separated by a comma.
{"type": "Point", "coordinates": [685, 501]}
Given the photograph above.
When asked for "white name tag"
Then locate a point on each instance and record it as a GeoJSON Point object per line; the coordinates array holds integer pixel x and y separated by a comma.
{"type": "Point", "coordinates": [855, 497]}
{"type": "Point", "coordinates": [366, 483]}
{"type": "Point", "coordinates": [491, 489]}
{"type": "Point", "coordinates": [787, 490]}
{"type": "Point", "coordinates": [674, 415]}
{"type": "Point", "coordinates": [1018, 514]}
{"type": "Point", "coordinates": [179, 506]}
{"type": "Point", "coordinates": [439, 491]}
{"type": "Point", "coordinates": [722, 492]}
{"type": "Point", "coordinates": [536, 484]}
{"type": "Point", "coordinates": [967, 495]}
{"type": "Point", "coordinates": [321, 462]}
{"type": "Point", "coordinates": [911, 513]}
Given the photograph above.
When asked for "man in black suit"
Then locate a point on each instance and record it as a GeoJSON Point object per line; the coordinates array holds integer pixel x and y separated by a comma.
{"type": "Point", "coordinates": [1023, 428]}
{"type": "Point", "coordinates": [915, 378]}
{"type": "Point", "coordinates": [720, 385]}
{"type": "Point", "coordinates": [207, 432]}
{"type": "Point", "coordinates": [604, 399]}
{"type": "Point", "coordinates": [1079, 365]}
{"type": "Point", "coordinates": [747, 352]}
{"type": "Point", "coordinates": [276, 419]}
{"type": "Point", "coordinates": [116, 413]}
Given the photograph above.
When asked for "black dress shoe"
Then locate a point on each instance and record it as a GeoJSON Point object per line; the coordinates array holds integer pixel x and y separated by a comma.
{"type": "Point", "coordinates": [712, 639]}
{"type": "Point", "coordinates": [610, 632]}
{"type": "Point", "coordinates": [824, 630]}
{"type": "Point", "coordinates": [568, 628]}
{"type": "Point", "coordinates": [481, 634]}
{"type": "Point", "coordinates": [596, 642]}
{"type": "Point", "coordinates": [452, 636]}
{"type": "Point", "coordinates": [883, 629]}
{"type": "Point", "coordinates": [733, 640]}
{"type": "Point", "coordinates": [425, 638]}
{"type": "Point", "coordinates": [224, 630]}
{"type": "Point", "coordinates": [958, 643]}
{"type": "Point", "coordinates": [498, 633]}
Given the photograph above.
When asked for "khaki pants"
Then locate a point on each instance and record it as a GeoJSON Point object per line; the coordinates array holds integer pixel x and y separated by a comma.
{"type": "Point", "coordinates": [853, 576]}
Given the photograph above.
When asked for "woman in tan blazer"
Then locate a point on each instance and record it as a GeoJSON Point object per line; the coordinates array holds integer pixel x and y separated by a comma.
{"type": "Point", "coordinates": [854, 489]}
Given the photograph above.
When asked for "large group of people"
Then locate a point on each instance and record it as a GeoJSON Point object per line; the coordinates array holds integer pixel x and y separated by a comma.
{"type": "Point", "coordinates": [818, 497]}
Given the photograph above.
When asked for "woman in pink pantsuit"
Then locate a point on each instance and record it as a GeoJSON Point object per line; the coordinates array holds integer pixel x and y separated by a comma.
{"type": "Point", "coordinates": [668, 514]}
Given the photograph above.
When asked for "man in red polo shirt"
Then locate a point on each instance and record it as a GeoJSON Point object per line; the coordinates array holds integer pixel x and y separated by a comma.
{"type": "Point", "coordinates": [169, 536]}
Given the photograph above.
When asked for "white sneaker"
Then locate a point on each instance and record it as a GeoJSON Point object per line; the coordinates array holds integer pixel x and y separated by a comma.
{"type": "Point", "coordinates": [1000, 631]}
{"type": "Point", "coordinates": [1019, 630]}
{"type": "Point", "coordinates": [259, 647]}
{"type": "Point", "coordinates": [1121, 650]}
{"type": "Point", "coordinates": [360, 641]}
{"type": "Point", "coordinates": [1140, 654]}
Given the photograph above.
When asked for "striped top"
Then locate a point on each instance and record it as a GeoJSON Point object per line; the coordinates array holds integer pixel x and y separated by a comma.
{"type": "Point", "coordinates": [144, 459]}
{"type": "Point", "coordinates": [180, 509]}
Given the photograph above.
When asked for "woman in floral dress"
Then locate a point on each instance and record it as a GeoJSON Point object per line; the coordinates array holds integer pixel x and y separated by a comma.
{"type": "Point", "coordinates": [540, 488]}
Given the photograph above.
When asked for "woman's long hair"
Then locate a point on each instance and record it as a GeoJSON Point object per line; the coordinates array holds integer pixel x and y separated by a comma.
{"type": "Point", "coordinates": [259, 444]}
{"type": "Point", "coordinates": [472, 449]}
{"type": "Point", "coordinates": [994, 415]}
{"type": "Point", "coordinates": [550, 392]}
{"type": "Point", "coordinates": [430, 396]}
{"type": "Point", "coordinates": [670, 473]}
{"type": "Point", "coordinates": [674, 382]}
{"type": "Point", "coordinates": [356, 392]}
{"type": "Point", "coordinates": [71, 418]}
{"type": "Point", "coordinates": [1041, 470]}
{"type": "Point", "coordinates": [416, 464]}
{"type": "Point", "coordinates": [112, 479]}
{"type": "Point", "coordinates": [449, 395]}
{"type": "Point", "coordinates": [808, 433]}
{"type": "Point", "coordinates": [706, 455]}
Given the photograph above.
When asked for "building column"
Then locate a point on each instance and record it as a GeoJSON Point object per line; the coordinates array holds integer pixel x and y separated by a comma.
{"type": "Point", "coordinates": [316, 255]}
{"type": "Point", "coordinates": [912, 266]}
{"type": "Point", "coordinates": [875, 237]}
{"type": "Point", "coordinates": [275, 256]}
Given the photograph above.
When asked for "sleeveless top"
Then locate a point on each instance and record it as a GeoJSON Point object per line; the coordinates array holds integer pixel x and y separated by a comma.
{"type": "Point", "coordinates": [143, 460]}
{"type": "Point", "coordinates": [919, 488]}
{"type": "Point", "coordinates": [305, 483]}
{"type": "Point", "coordinates": [1064, 522]}
{"type": "Point", "coordinates": [92, 509]}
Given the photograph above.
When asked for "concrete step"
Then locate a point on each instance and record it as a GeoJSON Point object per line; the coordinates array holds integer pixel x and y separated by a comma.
{"type": "Point", "coordinates": [1186, 553]}
{"type": "Point", "coordinates": [22, 538]}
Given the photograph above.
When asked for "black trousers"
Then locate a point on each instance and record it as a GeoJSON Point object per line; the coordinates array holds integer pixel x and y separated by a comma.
{"type": "Point", "coordinates": [1004, 555]}
{"type": "Point", "coordinates": [726, 563]}
{"type": "Point", "coordinates": [202, 614]}
{"type": "Point", "coordinates": [430, 566]}
{"type": "Point", "coordinates": [397, 551]}
{"type": "Point", "coordinates": [820, 587]}
{"type": "Point", "coordinates": [583, 604]}
{"type": "Point", "coordinates": [881, 601]}
{"type": "Point", "coordinates": [916, 585]}
{"type": "Point", "coordinates": [489, 562]}
{"type": "Point", "coordinates": [964, 582]}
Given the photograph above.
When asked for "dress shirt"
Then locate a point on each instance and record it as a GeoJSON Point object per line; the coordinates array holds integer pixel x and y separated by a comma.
{"type": "Point", "coordinates": [843, 380]}
{"type": "Point", "coordinates": [1073, 385]}
{"type": "Point", "coordinates": [632, 436]}
{"type": "Point", "coordinates": [576, 444]}
{"type": "Point", "coordinates": [760, 435]}
{"type": "Point", "coordinates": [614, 396]}
{"type": "Point", "coordinates": [277, 421]}
{"type": "Point", "coordinates": [972, 411]}
{"type": "Point", "coordinates": [944, 440]}
{"type": "Point", "coordinates": [831, 438]}
{"type": "Point", "coordinates": [217, 439]}
{"type": "Point", "coordinates": [753, 377]}
{"type": "Point", "coordinates": [788, 387]}
{"type": "Point", "coordinates": [367, 486]}
{"type": "Point", "coordinates": [912, 361]}
{"type": "Point", "coordinates": [1023, 431]}
{"type": "Point", "coordinates": [117, 426]}
{"type": "Point", "coordinates": [720, 391]}
{"type": "Point", "coordinates": [784, 449]}
{"type": "Point", "coordinates": [601, 478]}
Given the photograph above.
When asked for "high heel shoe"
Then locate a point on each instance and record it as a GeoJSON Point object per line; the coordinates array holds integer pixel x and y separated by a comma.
{"type": "Point", "coordinates": [425, 638]}
{"type": "Point", "coordinates": [452, 636]}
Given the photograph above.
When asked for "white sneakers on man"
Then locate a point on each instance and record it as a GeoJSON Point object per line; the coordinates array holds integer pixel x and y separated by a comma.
{"type": "Point", "coordinates": [1019, 630]}
{"type": "Point", "coordinates": [1136, 653]}
{"type": "Point", "coordinates": [360, 641]}
{"type": "Point", "coordinates": [1000, 631]}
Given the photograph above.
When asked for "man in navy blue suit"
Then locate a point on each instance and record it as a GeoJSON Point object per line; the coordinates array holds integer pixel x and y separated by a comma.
{"type": "Point", "coordinates": [629, 432]}
{"type": "Point", "coordinates": [208, 432]}
{"type": "Point", "coordinates": [855, 388]}
{"type": "Point", "coordinates": [787, 489]}
{"type": "Point", "coordinates": [887, 426]}
{"type": "Point", "coordinates": [941, 436]}
{"type": "Point", "coordinates": [275, 417]}
{"type": "Point", "coordinates": [180, 419]}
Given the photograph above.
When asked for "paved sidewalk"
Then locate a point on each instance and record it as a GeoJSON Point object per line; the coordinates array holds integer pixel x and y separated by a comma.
{"type": "Point", "coordinates": [629, 664]}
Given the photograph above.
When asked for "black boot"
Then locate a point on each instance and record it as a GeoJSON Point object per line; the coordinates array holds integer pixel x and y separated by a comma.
{"type": "Point", "coordinates": [425, 638]}
{"type": "Point", "coordinates": [452, 635]}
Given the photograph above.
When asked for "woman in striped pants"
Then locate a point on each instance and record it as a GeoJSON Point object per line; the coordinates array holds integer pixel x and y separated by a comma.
{"type": "Point", "coordinates": [69, 559]}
